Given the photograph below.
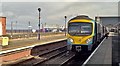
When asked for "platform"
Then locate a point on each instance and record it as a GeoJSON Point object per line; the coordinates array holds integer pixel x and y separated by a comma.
{"type": "Point", "coordinates": [19, 43]}
{"type": "Point", "coordinates": [103, 54]}
{"type": "Point", "coordinates": [22, 48]}
{"type": "Point", "coordinates": [116, 50]}
{"type": "Point", "coordinates": [108, 53]}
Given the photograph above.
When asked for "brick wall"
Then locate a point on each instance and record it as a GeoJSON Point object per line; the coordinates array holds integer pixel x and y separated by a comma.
{"type": "Point", "coordinates": [3, 21]}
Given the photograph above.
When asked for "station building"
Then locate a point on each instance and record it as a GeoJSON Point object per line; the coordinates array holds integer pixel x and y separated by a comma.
{"type": "Point", "coordinates": [109, 21]}
{"type": "Point", "coordinates": [2, 25]}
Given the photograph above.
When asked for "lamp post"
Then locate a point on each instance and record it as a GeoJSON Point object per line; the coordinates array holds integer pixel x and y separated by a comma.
{"type": "Point", "coordinates": [29, 29]}
{"type": "Point", "coordinates": [65, 24]}
{"type": "Point", "coordinates": [16, 26]}
{"type": "Point", "coordinates": [11, 29]}
{"type": "Point", "coordinates": [39, 9]}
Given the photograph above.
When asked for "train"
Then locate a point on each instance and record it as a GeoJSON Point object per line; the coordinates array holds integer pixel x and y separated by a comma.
{"type": "Point", "coordinates": [83, 33]}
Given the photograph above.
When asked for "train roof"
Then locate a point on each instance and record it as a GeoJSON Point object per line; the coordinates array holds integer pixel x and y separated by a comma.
{"type": "Point", "coordinates": [81, 17]}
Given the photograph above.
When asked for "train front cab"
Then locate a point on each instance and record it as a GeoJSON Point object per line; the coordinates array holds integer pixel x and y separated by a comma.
{"type": "Point", "coordinates": [81, 42]}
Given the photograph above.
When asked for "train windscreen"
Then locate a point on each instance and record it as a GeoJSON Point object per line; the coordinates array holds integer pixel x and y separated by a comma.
{"type": "Point", "coordinates": [80, 28]}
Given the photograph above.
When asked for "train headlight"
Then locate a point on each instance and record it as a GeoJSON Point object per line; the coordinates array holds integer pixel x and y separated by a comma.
{"type": "Point", "coordinates": [71, 40]}
{"type": "Point", "coordinates": [88, 40]}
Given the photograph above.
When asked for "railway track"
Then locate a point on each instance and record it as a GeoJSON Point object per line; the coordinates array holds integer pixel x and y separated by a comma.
{"type": "Point", "coordinates": [43, 53]}
{"type": "Point", "coordinates": [69, 59]}
{"type": "Point", "coordinates": [43, 57]}
{"type": "Point", "coordinates": [58, 60]}
{"type": "Point", "coordinates": [78, 59]}
{"type": "Point", "coordinates": [55, 54]}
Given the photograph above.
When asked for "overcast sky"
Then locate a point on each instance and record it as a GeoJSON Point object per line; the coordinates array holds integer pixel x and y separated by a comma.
{"type": "Point", "coordinates": [53, 12]}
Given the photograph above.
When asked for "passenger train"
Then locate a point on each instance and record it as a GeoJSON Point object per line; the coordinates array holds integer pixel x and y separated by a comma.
{"type": "Point", "coordinates": [83, 32]}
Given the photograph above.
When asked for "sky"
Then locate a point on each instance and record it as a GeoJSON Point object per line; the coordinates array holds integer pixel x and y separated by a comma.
{"type": "Point", "coordinates": [53, 12]}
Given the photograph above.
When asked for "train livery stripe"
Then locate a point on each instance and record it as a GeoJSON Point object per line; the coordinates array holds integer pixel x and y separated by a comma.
{"type": "Point", "coordinates": [81, 20]}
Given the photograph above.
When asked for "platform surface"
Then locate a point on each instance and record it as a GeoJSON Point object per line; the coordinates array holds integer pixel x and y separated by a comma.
{"type": "Point", "coordinates": [103, 55]}
{"type": "Point", "coordinates": [116, 50]}
{"type": "Point", "coordinates": [30, 42]}
{"type": "Point", "coordinates": [108, 52]}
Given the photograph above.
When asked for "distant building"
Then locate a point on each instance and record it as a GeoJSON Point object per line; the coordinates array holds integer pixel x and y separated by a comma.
{"type": "Point", "coordinates": [108, 21]}
{"type": "Point", "coordinates": [105, 20]}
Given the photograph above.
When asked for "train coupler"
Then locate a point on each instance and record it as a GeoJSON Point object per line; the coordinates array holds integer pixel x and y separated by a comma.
{"type": "Point", "coordinates": [78, 48]}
